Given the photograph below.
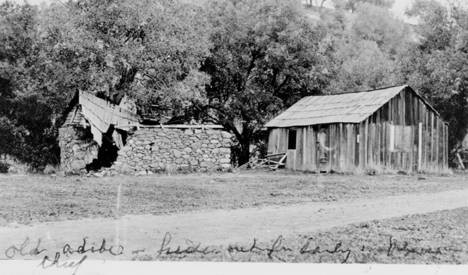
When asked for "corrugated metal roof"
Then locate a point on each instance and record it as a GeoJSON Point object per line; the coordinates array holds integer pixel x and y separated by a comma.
{"type": "Point", "coordinates": [339, 108]}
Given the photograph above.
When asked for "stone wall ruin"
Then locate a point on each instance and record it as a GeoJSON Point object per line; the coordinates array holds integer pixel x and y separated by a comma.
{"type": "Point", "coordinates": [77, 150]}
{"type": "Point", "coordinates": [151, 149]}
{"type": "Point", "coordinates": [173, 149]}
{"type": "Point", "coordinates": [99, 135]}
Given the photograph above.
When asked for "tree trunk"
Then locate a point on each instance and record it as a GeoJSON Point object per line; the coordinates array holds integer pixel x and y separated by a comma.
{"type": "Point", "coordinates": [244, 153]}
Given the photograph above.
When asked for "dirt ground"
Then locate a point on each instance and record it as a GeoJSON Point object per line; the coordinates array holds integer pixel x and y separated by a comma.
{"type": "Point", "coordinates": [284, 217]}
{"type": "Point", "coordinates": [31, 199]}
{"type": "Point", "coordinates": [182, 235]}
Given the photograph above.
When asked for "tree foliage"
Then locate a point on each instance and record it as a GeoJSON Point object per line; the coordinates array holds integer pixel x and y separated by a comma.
{"type": "Point", "coordinates": [265, 56]}
{"type": "Point", "coordinates": [233, 62]}
{"type": "Point", "coordinates": [148, 50]}
{"type": "Point", "coordinates": [367, 48]}
{"type": "Point", "coordinates": [352, 5]}
{"type": "Point", "coordinates": [437, 66]}
{"type": "Point", "coordinates": [26, 115]}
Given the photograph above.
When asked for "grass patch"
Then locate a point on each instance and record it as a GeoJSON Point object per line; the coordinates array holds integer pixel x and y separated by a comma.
{"type": "Point", "coordinates": [435, 238]}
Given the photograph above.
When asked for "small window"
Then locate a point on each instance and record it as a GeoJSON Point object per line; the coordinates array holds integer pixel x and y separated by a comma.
{"type": "Point", "coordinates": [292, 139]}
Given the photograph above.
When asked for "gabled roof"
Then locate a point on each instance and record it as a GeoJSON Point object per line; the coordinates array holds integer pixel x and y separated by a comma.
{"type": "Point", "coordinates": [338, 108]}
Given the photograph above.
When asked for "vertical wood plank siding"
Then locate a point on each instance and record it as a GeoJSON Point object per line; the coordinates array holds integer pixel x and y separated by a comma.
{"type": "Point", "coordinates": [367, 144]}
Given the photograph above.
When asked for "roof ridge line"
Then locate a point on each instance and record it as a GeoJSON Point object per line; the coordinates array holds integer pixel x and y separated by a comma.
{"type": "Point", "coordinates": [362, 91]}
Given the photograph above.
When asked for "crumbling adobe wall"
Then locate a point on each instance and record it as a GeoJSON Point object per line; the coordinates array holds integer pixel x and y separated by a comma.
{"type": "Point", "coordinates": [152, 150]}
{"type": "Point", "coordinates": [76, 151]}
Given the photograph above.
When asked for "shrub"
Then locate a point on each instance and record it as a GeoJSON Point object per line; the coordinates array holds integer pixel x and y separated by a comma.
{"type": "Point", "coordinates": [4, 167]}
{"type": "Point", "coordinates": [50, 169]}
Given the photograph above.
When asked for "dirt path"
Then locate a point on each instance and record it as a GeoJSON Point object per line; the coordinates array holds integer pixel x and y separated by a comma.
{"type": "Point", "coordinates": [223, 227]}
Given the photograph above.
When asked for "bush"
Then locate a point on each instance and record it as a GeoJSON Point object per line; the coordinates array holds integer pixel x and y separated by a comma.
{"type": "Point", "coordinates": [50, 169]}
{"type": "Point", "coordinates": [4, 167]}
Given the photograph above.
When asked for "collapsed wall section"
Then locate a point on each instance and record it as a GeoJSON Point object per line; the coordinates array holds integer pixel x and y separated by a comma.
{"type": "Point", "coordinates": [77, 149]}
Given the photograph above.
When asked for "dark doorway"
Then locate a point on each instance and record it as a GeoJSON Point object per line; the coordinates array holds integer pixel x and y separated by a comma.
{"type": "Point", "coordinates": [107, 153]}
{"type": "Point", "coordinates": [292, 133]}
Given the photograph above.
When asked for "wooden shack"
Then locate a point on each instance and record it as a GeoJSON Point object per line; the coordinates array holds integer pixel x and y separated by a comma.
{"type": "Point", "coordinates": [392, 128]}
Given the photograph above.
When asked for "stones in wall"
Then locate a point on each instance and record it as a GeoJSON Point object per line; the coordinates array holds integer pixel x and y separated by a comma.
{"type": "Point", "coordinates": [76, 151]}
{"type": "Point", "coordinates": [152, 150]}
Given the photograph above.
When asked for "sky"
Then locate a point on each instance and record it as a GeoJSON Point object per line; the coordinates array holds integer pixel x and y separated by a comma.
{"type": "Point", "coordinates": [400, 7]}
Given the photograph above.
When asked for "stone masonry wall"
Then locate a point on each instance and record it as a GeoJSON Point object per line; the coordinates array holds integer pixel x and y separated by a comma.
{"type": "Point", "coordinates": [75, 151]}
{"type": "Point", "coordinates": [152, 150]}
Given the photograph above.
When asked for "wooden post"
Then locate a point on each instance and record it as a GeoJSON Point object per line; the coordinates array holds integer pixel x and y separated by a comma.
{"type": "Point", "coordinates": [304, 148]}
{"type": "Point", "coordinates": [392, 138]}
{"type": "Point", "coordinates": [432, 140]}
{"type": "Point", "coordinates": [446, 147]}
{"type": "Point", "coordinates": [366, 139]}
{"type": "Point", "coordinates": [343, 146]}
{"type": "Point", "coordinates": [460, 162]}
{"type": "Point", "coordinates": [419, 145]}
{"type": "Point", "coordinates": [437, 144]}
{"type": "Point", "coordinates": [313, 148]}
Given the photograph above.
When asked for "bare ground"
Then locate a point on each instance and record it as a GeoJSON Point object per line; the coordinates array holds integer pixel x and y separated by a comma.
{"type": "Point", "coordinates": [142, 235]}
{"type": "Point", "coordinates": [32, 199]}
{"type": "Point", "coordinates": [218, 217]}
